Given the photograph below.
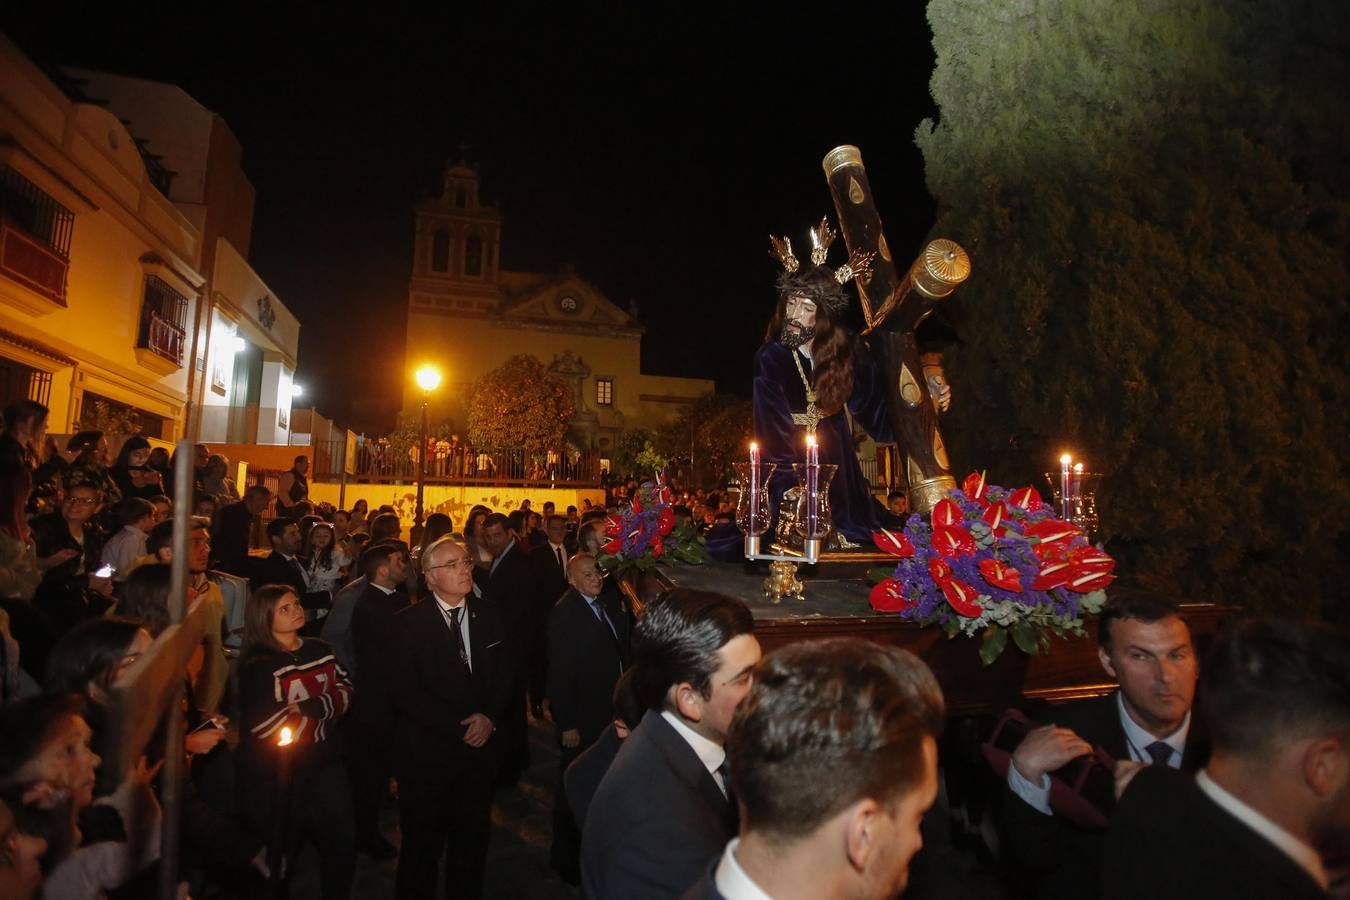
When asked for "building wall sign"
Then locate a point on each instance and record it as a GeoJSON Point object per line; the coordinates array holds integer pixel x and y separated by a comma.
{"type": "Point", "coordinates": [267, 316]}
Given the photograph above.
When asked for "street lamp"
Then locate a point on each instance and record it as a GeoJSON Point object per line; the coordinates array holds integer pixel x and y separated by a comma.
{"type": "Point", "coordinates": [428, 379]}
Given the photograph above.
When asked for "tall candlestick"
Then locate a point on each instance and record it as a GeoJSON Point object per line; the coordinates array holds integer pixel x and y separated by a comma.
{"type": "Point", "coordinates": [1064, 486]}
{"type": "Point", "coordinates": [1077, 486]}
{"type": "Point", "coordinates": [754, 488]}
{"type": "Point", "coordinates": [812, 489]}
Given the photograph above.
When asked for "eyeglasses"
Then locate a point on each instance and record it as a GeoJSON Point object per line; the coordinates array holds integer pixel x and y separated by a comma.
{"type": "Point", "coordinates": [457, 564]}
{"type": "Point", "coordinates": [82, 501]}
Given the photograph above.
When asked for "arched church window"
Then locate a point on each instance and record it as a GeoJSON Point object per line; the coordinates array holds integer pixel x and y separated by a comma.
{"type": "Point", "coordinates": [473, 256]}
{"type": "Point", "coordinates": [440, 251]}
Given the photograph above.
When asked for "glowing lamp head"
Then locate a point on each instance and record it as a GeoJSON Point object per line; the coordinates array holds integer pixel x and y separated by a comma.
{"type": "Point", "coordinates": [297, 390]}
{"type": "Point", "coordinates": [238, 344]}
{"type": "Point", "coordinates": [286, 738]}
{"type": "Point", "coordinates": [428, 378]}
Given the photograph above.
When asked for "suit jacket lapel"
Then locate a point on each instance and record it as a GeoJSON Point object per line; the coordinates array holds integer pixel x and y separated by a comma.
{"type": "Point", "coordinates": [685, 762]}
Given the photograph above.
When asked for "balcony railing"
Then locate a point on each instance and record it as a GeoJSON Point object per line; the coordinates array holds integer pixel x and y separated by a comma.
{"type": "Point", "coordinates": [381, 462]}
{"type": "Point", "coordinates": [164, 321]}
{"type": "Point", "coordinates": [32, 263]}
{"type": "Point", "coordinates": [165, 339]}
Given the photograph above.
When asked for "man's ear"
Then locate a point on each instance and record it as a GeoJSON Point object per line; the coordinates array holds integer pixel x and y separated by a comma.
{"type": "Point", "coordinates": [1105, 659]}
{"type": "Point", "coordinates": [1326, 766]}
{"type": "Point", "coordinates": [688, 702]}
{"type": "Point", "coordinates": [862, 832]}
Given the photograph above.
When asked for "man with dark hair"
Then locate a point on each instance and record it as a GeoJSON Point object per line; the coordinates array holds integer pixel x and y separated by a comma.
{"type": "Point", "coordinates": [385, 526]}
{"type": "Point", "coordinates": [1270, 812]}
{"type": "Point", "coordinates": [663, 810]}
{"type": "Point", "coordinates": [234, 523]}
{"type": "Point", "coordinates": [374, 639]}
{"type": "Point", "coordinates": [1146, 646]}
{"type": "Point", "coordinates": [508, 588]}
{"type": "Point", "coordinates": [847, 713]}
{"type": "Point", "coordinates": [282, 566]}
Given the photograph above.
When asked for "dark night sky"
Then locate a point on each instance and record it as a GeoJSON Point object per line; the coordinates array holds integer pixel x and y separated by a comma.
{"type": "Point", "coordinates": [652, 146]}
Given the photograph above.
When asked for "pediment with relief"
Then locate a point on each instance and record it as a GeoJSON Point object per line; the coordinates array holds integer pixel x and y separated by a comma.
{"type": "Point", "coordinates": [567, 300]}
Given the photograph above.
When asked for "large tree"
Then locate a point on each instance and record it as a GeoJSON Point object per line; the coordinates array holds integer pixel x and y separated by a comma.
{"type": "Point", "coordinates": [715, 429]}
{"type": "Point", "coordinates": [520, 405]}
{"type": "Point", "coordinates": [1154, 197]}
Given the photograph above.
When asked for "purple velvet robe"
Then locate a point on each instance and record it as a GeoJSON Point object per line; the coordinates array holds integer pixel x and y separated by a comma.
{"type": "Point", "coordinates": [779, 392]}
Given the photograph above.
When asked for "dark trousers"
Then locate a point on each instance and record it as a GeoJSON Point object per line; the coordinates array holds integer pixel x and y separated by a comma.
{"type": "Point", "coordinates": [565, 854]}
{"type": "Point", "coordinates": [445, 806]}
{"type": "Point", "coordinates": [368, 768]}
{"type": "Point", "coordinates": [320, 810]}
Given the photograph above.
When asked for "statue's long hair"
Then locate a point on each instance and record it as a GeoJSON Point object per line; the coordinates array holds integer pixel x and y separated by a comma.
{"type": "Point", "coordinates": [833, 346]}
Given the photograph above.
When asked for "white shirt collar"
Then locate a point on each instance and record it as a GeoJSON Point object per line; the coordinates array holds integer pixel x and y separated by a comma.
{"type": "Point", "coordinates": [385, 590]}
{"type": "Point", "coordinates": [557, 547]}
{"type": "Point", "coordinates": [445, 605]}
{"type": "Point", "coordinates": [731, 880]}
{"type": "Point", "coordinates": [1137, 738]}
{"type": "Point", "coordinates": [710, 753]}
{"type": "Point", "coordinates": [1306, 857]}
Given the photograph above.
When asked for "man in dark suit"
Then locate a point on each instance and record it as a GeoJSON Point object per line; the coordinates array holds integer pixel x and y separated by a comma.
{"type": "Point", "coordinates": [583, 776]}
{"type": "Point", "coordinates": [1146, 646]}
{"type": "Point", "coordinates": [845, 713]}
{"type": "Point", "coordinates": [451, 688]}
{"type": "Point", "coordinates": [374, 638]}
{"type": "Point", "coordinates": [662, 812]}
{"type": "Point", "coordinates": [585, 661]}
{"type": "Point", "coordinates": [508, 588]}
{"type": "Point", "coordinates": [548, 570]}
{"type": "Point", "coordinates": [234, 523]}
{"type": "Point", "coordinates": [1269, 814]}
{"type": "Point", "coordinates": [282, 565]}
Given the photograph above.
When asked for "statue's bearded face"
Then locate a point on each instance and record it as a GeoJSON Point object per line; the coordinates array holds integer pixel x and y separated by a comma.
{"type": "Point", "coordinates": [799, 321]}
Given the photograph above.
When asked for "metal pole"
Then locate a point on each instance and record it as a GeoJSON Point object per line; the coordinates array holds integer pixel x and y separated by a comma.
{"type": "Point", "coordinates": [172, 774]}
{"type": "Point", "coordinates": [421, 467]}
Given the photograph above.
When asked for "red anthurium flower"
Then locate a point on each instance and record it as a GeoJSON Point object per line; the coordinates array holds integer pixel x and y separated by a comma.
{"type": "Point", "coordinates": [1082, 581]}
{"type": "Point", "coordinates": [612, 525]}
{"type": "Point", "coordinates": [1052, 575]}
{"type": "Point", "coordinates": [612, 546]}
{"type": "Point", "coordinates": [1001, 576]}
{"type": "Point", "coordinates": [637, 504]}
{"type": "Point", "coordinates": [993, 515]}
{"type": "Point", "coordinates": [664, 494]}
{"type": "Point", "coordinates": [1051, 531]}
{"type": "Point", "coordinates": [1091, 557]}
{"type": "Point", "coordinates": [946, 513]}
{"type": "Point", "coordinates": [953, 540]}
{"type": "Point", "coordinates": [888, 595]}
{"type": "Point", "coordinates": [665, 520]}
{"type": "Point", "coordinates": [893, 542]}
{"type": "Point", "coordinates": [973, 486]}
{"type": "Point", "coordinates": [657, 547]}
{"type": "Point", "coordinates": [1026, 498]}
{"type": "Point", "coordinates": [962, 597]}
{"type": "Point", "coordinates": [939, 570]}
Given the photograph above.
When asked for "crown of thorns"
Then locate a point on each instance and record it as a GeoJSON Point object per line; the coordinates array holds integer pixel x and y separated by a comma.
{"type": "Point", "coordinates": [794, 280]}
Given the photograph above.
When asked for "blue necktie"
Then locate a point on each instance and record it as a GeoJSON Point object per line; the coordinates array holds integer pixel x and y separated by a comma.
{"type": "Point", "coordinates": [1161, 752]}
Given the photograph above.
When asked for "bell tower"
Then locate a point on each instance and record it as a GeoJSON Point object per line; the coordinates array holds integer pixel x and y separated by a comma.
{"type": "Point", "coordinates": [458, 238]}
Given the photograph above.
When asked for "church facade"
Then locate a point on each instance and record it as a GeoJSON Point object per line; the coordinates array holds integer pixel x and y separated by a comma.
{"type": "Point", "coordinates": [467, 316]}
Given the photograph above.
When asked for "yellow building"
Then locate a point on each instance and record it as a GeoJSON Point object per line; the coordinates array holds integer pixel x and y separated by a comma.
{"type": "Point", "coordinates": [99, 271]}
{"type": "Point", "coordinates": [467, 316]}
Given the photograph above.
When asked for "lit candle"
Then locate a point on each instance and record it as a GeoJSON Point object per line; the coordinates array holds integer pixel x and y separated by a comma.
{"type": "Point", "coordinates": [280, 806]}
{"type": "Point", "coordinates": [812, 482]}
{"type": "Point", "coordinates": [1077, 482]}
{"type": "Point", "coordinates": [753, 487]}
{"type": "Point", "coordinates": [1064, 486]}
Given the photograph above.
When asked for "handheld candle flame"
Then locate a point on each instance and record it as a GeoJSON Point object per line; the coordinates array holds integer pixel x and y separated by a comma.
{"type": "Point", "coordinates": [286, 739]}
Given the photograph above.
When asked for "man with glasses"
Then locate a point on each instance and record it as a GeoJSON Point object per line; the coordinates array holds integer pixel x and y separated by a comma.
{"type": "Point", "coordinates": [586, 657]}
{"type": "Point", "coordinates": [450, 687]}
{"type": "Point", "coordinates": [69, 544]}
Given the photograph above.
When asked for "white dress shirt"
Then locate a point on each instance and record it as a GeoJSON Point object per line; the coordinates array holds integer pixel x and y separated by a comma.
{"type": "Point", "coordinates": [1308, 859]}
{"type": "Point", "coordinates": [1137, 740]}
{"type": "Point", "coordinates": [731, 880]}
{"type": "Point", "coordinates": [710, 753]}
{"type": "Point", "coordinates": [446, 612]}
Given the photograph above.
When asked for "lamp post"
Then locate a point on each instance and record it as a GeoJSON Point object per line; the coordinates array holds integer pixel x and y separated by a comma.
{"type": "Point", "coordinates": [428, 379]}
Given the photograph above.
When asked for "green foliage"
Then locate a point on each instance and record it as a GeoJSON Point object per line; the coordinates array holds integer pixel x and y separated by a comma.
{"type": "Point", "coordinates": [520, 405]}
{"type": "Point", "coordinates": [627, 446]}
{"type": "Point", "coordinates": [109, 418]}
{"type": "Point", "coordinates": [1156, 207]}
{"type": "Point", "coordinates": [717, 429]}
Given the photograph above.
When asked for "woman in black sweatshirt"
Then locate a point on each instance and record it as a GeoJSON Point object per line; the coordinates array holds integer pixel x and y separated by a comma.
{"type": "Point", "coordinates": [293, 682]}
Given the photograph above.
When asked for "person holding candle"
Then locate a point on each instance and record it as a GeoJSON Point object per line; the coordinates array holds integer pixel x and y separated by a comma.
{"type": "Point", "coordinates": [810, 367]}
{"type": "Point", "coordinates": [294, 682]}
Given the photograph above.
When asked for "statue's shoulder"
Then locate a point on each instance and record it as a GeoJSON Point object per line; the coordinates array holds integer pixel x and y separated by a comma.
{"type": "Point", "coordinates": [773, 354]}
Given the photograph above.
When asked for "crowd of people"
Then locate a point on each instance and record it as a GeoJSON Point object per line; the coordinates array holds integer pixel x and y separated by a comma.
{"type": "Point", "coordinates": [346, 661]}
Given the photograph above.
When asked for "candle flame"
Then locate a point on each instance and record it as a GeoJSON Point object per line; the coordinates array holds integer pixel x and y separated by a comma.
{"type": "Point", "coordinates": [810, 440]}
{"type": "Point", "coordinates": [753, 446]}
{"type": "Point", "coordinates": [1078, 468]}
{"type": "Point", "coordinates": [1066, 459]}
{"type": "Point", "coordinates": [286, 738]}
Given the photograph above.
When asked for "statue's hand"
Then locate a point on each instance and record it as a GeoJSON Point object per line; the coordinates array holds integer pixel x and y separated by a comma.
{"type": "Point", "coordinates": [938, 387]}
